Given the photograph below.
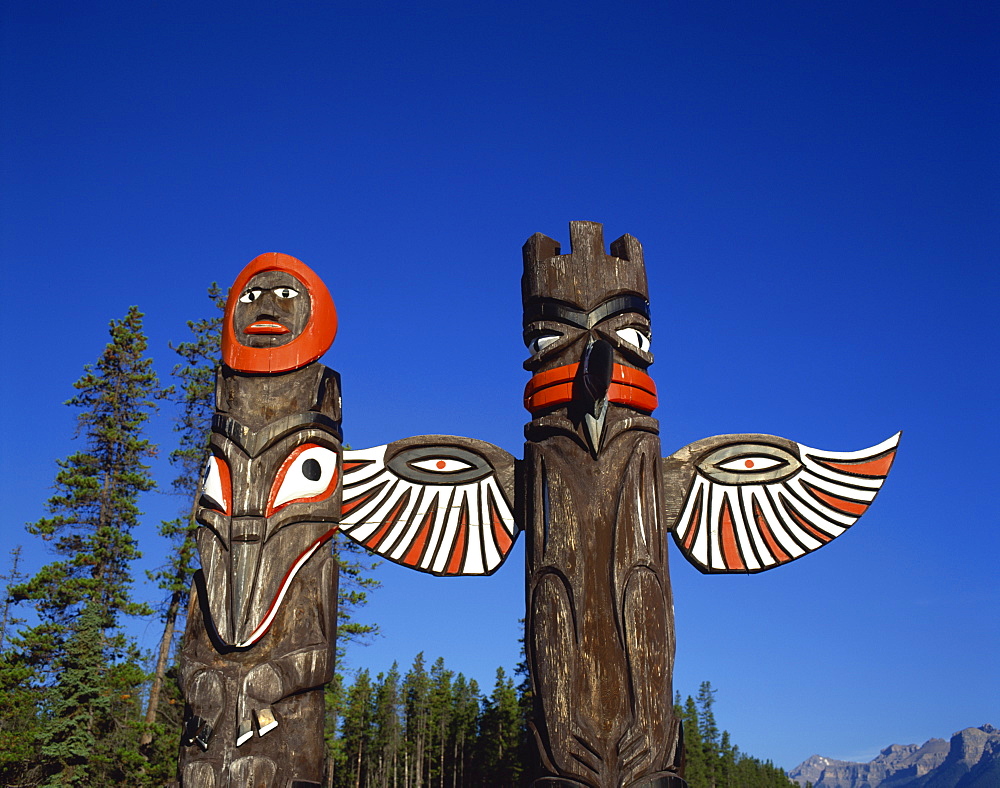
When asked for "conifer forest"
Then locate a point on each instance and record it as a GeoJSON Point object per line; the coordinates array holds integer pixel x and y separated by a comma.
{"type": "Point", "coordinates": [82, 705]}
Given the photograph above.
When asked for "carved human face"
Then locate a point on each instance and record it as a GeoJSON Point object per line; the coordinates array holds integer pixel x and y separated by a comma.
{"type": "Point", "coordinates": [273, 310]}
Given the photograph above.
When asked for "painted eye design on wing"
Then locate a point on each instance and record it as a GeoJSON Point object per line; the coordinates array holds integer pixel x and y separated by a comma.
{"type": "Point", "coordinates": [634, 337]}
{"type": "Point", "coordinates": [285, 292]}
{"type": "Point", "coordinates": [439, 465]}
{"type": "Point", "coordinates": [542, 341]}
{"type": "Point", "coordinates": [749, 463]}
{"type": "Point", "coordinates": [308, 474]}
{"type": "Point", "coordinates": [251, 295]}
{"type": "Point", "coordinates": [215, 485]}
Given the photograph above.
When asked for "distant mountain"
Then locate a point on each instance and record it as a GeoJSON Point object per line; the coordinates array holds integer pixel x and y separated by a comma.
{"type": "Point", "coordinates": [970, 760]}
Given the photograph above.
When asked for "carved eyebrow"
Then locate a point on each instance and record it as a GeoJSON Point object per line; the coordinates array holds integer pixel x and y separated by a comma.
{"type": "Point", "coordinates": [550, 309]}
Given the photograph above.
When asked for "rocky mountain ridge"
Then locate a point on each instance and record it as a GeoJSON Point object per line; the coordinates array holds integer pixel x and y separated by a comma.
{"type": "Point", "coordinates": [970, 760]}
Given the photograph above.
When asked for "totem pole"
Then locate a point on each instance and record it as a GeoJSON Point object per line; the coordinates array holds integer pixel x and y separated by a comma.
{"type": "Point", "coordinates": [259, 645]}
{"type": "Point", "coordinates": [597, 501]}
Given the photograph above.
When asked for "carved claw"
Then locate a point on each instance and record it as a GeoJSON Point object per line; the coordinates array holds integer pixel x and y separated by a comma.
{"type": "Point", "coordinates": [265, 721]}
{"type": "Point", "coordinates": [244, 732]}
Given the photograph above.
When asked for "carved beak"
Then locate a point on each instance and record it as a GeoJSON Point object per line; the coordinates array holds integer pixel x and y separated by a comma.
{"type": "Point", "coordinates": [596, 368]}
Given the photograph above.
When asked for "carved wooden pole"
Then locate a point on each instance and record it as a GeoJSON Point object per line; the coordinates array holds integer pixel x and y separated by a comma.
{"type": "Point", "coordinates": [597, 501]}
{"type": "Point", "coordinates": [259, 645]}
{"type": "Point", "coordinates": [599, 631]}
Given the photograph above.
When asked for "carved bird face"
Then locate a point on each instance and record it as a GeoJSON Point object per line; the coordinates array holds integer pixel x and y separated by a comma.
{"type": "Point", "coordinates": [266, 500]}
{"type": "Point", "coordinates": [587, 327]}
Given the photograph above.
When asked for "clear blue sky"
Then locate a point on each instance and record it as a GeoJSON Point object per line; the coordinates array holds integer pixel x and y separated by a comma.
{"type": "Point", "coordinates": [817, 189]}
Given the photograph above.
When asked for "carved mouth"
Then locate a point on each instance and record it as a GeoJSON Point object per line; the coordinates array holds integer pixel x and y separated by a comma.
{"type": "Point", "coordinates": [266, 327]}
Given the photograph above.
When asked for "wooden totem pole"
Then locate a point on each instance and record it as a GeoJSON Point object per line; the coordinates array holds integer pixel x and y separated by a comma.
{"type": "Point", "coordinates": [597, 500]}
{"type": "Point", "coordinates": [259, 645]}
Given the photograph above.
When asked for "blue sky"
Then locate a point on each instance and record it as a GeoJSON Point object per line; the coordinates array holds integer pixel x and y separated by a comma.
{"type": "Point", "coordinates": [816, 186]}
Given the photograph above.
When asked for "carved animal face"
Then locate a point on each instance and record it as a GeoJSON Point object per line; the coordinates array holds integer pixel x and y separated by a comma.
{"type": "Point", "coordinates": [586, 325]}
{"type": "Point", "coordinates": [279, 317]}
{"type": "Point", "coordinates": [268, 500]}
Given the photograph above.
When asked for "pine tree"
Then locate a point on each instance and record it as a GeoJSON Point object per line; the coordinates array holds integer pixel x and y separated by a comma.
{"type": "Point", "coordinates": [195, 394]}
{"type": "Point", "coordinates": [86, 669]}
{"type": "Point", "coordinates": [387, 737]}
{"type": "Point", "coordinates": [500, 734]}
{"type": "Point", "coordinates": [356, 733]}
{"type": "Point", "coordinates": [465, 702]}
{"type": "Point", "coordinates": [441, 711]}
{"type": "Point", "coordinates": [416, 694]}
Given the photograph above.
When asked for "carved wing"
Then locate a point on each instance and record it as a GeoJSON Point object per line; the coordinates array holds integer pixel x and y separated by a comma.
{"type": "Point", "coordinates": [437, 503]}
{"type": "Point", "coordinates": [753, 502]}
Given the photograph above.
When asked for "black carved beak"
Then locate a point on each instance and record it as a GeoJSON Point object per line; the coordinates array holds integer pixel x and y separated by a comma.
{"type": "Point", "coordinates": [596, 368]}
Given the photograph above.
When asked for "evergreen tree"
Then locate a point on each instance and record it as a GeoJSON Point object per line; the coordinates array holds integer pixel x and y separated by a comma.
{"type": "Point", "coordinates": [195, 394]}
{"type": "Point", "coordinates": [500, 734]}
{"type": "Point", "coordinates": [465, 702]}
{"type": "Point", "coordinates": [441, 712]}
{"type": "Point", "coordinates": [85, 668]}
{"type": "Point", "coordinates": [416, 694]}
{"type": "Point", "coordinates": [387, 738]}
{"type": "Point", "coordinates": [356, 734]}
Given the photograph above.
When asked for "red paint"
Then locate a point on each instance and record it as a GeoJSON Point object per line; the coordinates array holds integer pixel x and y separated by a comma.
{"type": "Point", "coordinates": [878, 467]}
{"type": "Point", "coordinates": [350, 505]}
{"type": "Point", "coordinates": [315, 338]}
{"type": "Point", "coordinates": [266, 327]}
{"type": "Point", "coordinates": [749, 463]}
{"type": "Point", "coordinates": [387, 522]}
{"type": "Point", "coordinates": [727, 536]}
{"type": "Point", "coordinates": [806, 526]}
{"type": "Point", "coordinates": [458, 551]}
{"type": "Point", "coordinates": [500, 534]}
{"type": "Point", "coordinates": [629, 386]}
{"type": "Point", "coordinates": [412, 557]}
{"type": "Point", "coordinates": [441, 464]}
{"type": "Point", "coordinates": [836, 502]}
{"type": "Point", "coordinates": [765, 530]}
{"type": "Point", "coordinates": [280, 478]}
{"type": "Point", "coordinates": [693, 528]}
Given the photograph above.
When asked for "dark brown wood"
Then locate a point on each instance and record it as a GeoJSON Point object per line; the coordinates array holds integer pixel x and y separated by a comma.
{"type": "Point", "coordinates": [599, 629]}
{"type": "Point", "coordinates": [260, 638]}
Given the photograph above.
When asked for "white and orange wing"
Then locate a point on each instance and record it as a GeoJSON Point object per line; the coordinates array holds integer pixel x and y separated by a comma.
{"type": "Point", "coordinates": [757, 501]}
{"type": "Point", "coordinates": [436, 503]}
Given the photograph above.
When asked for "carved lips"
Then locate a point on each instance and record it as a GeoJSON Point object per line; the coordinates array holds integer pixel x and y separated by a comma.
{"type": "Point", "coordinates": [266, 327]}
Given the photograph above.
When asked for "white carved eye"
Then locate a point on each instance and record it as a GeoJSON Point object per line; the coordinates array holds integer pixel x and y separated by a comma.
{"type": "Point", "coordinates": [309, 474]}
{"type": "Point", "coordinates": [442, 465]}
{"type": "Point", "coordinates": [634, 337]}
{"type": "Point", "coordinates": [539, 343]}
{"type": "Point", "coordinates": [750, 464]}
{"type": "Point", "coordinates": [215, 484]}
{"type": "Point", "coordinates": [251, 295]}
{"type": "Point", "coordinates": [285, 292]}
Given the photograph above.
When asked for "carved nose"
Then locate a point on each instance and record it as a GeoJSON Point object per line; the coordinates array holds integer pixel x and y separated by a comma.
{"type": "Point", "coordinates": [596, 368]}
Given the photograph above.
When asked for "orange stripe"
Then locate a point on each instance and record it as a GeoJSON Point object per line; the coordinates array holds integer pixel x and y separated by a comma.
{"type": "Point", "coordinates": [629, 386]}
{"type": "Point", "coordinates": [500, 534]}
{"type": "Point", "coordinates": [455, 562]}
{"type": "Point", "coordinates": [349, 506]}
{"type": "Point", "coordinates": [388, 521]}
{"type": "Point", "coordinates": [412, 557]}
{"type": "Point", "coordinates": [805, 524]}
{"type": "Point", "coordinates": [730, 552]}
{"type": "Point", "coordinates": [765, 530]}
{"type": "Point", "coordinates": [877, 467]}
{"type": "Point", "coordinates": [835, 501]}
{"type": "Point", "coordinates": [350, 465]}
{"type": "Point", "coordinates": [695, 519]}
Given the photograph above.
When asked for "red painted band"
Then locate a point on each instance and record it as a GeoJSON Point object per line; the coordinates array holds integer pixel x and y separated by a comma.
{"type": "Point", "coordinates": [629, 386]}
